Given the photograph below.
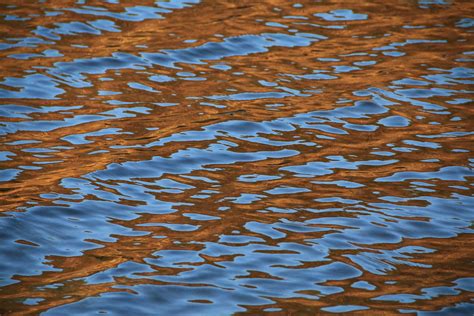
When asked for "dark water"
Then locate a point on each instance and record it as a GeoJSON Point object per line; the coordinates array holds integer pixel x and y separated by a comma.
{"type": "Point", "coordinates": [209, 158]}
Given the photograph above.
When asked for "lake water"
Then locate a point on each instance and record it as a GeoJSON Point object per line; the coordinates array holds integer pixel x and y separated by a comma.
{"type": "Point", "coordinates": [224, 157]}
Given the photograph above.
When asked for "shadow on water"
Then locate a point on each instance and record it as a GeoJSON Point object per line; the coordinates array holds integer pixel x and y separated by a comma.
{"type": "Point", "coordinates": [219, 157]}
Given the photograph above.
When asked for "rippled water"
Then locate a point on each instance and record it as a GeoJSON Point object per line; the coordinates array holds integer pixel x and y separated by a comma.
{"type": "Point", "coordinates": [218, 157]}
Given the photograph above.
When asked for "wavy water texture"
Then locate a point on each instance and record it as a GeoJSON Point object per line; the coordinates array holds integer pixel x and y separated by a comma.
{"type": "Point", "coordinates": [216, 157]}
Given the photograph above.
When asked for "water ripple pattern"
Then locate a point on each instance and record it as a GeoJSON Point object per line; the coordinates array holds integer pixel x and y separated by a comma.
{"type": "Point", "coordinates": [220, 157]}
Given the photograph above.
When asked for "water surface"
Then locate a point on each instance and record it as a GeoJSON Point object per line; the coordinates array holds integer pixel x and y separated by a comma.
{"type": "Point", "coordinates": [220, 157]}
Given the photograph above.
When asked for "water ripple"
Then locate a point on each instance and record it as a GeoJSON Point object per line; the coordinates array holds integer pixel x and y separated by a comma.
{"type": "Point", "coordinates": [202, 158]}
